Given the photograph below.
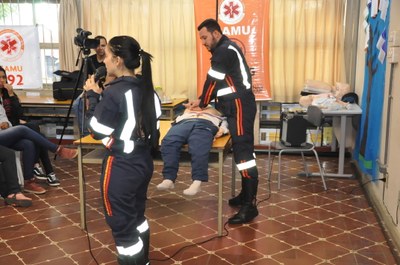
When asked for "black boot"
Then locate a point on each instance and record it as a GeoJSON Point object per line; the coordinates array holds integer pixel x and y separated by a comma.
{"type": "Point", "coordinates": [248, 211]}
{"type": "Point", "coordinates": [137, 259]}
{"type": "Point", "coordinates": [237, 201]}
{"type": "Point", "coordinates": [145, 236]}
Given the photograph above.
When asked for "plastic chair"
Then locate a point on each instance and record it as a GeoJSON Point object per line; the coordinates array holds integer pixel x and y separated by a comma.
{"type": "Point", "coordinates": [314, 116]}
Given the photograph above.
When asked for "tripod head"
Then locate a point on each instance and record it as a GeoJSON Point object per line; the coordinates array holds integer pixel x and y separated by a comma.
{"type": "Point", "coordinates": [82, 40]}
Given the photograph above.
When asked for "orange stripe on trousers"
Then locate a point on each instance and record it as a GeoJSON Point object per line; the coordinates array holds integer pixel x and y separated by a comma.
{"type": "Point", "coordinates": [244, 172]}
{"type": "Point", "coordinates": [106, 182]}
{"type": "Point", "coordinates": [239, 117]}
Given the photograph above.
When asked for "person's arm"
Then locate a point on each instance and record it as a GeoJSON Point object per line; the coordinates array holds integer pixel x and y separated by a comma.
{"type": "Point", "coordinates": [222, 129]}
{"type": "Point", "coordinates": [92, 99]}
{"type": "Point", "coordinates": [103, 122]}
{"type": "Point", "coordinates": [16, 112]}
{"type": "Point", "coordinates": [4, 122]}
{"type": "Point", "coordinates": [216, 76]}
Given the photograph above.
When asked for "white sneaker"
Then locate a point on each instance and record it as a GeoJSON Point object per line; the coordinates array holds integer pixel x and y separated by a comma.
{"type": "Point", "coordinates": [166, 184]}
{"type": "Point", "coordinates": [193, 189]}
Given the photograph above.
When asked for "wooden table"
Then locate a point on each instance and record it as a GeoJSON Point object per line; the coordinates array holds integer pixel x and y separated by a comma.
{"type": "Point", "coordinates": [50, 113]}
{"type": "Point", "coordinates": [169, 111]}
{"type": "Point", "coordinates": [43, 106]}
{"type": "Point", "coordinates": [218, 153]}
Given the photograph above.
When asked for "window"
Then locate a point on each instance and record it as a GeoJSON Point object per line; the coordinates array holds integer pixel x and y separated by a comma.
{"type": "Point", "coordinates": [43, 14]}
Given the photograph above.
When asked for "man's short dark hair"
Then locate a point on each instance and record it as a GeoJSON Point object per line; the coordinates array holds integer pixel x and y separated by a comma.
{"type": "Point", "coordinates": [211, 25]}
{"type": "Point", "coordinates": [99, 37]}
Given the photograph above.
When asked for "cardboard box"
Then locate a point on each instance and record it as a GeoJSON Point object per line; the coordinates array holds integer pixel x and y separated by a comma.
{"type": "Point", "coordinates": [270, 115]}
{"type": "Point", "coordinates": [268, 135]}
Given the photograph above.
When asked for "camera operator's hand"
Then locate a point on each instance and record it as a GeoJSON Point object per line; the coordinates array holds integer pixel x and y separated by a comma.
{"type": "Point", "coordinates": [90, 84]}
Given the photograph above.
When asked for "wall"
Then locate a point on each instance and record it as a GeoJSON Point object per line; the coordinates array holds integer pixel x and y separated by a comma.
{"type": "Point", "coordinates": [385, 197]}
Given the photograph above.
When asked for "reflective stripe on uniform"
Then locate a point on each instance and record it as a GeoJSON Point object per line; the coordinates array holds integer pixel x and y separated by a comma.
{"type": "Point", "coordinates": [225, 91]}
{"type": "Point", "coordinates": [143, 227]}
{"type": "Point", "coordinates": [129, 125]}
{"type": "Point", "coordinates": [132, 250]}
{"type": "Point", "coordinates": [216, 75]}
{"type": "Point", "coordinates": [100, 128]}
{"type": "Point", "coordinates": [157, 106]}
{"type": "Point", "coordinates": [246, 165]}
{"type": "Point", "coordinates": [106, 141]}
{"type": "Point", "coordinates": [242, 68]}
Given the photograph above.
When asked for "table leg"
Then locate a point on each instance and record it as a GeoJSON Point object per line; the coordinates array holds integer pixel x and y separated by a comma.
{"type": "Point", "coordinates": [220, 183]}
{"type": "Point", "coordinates": [81, 189]}
{"type": "Point", "coordinates": [342, 143]}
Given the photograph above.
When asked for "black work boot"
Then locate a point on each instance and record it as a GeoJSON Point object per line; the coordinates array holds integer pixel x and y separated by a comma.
{"type": "Point", "coordinates": [137, 259]}
{"type": "Point", "coordinates": [246, 214]}
{"type": "Point", "coordinates": [248, 211]}
{"type": "Point", "coordinates": [145, 236]}
{"type": "Point", "coordinates": [239, 199]}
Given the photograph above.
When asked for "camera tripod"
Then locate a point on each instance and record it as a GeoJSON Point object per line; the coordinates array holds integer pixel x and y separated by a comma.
{"type": "Point", "coordinates": [82, 76]}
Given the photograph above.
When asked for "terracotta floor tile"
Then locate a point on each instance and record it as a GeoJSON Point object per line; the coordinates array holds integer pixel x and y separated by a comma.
{"type": "Point", "coordinates": [298, 224]}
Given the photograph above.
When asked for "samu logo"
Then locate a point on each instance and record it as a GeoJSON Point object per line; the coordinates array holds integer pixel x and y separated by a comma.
{"type": "Point", "coordinates": [231, 11]}
{"type": "Point", "coordinates": [11, 45]}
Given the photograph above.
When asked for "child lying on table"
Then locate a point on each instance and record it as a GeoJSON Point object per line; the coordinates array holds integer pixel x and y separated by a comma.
{"type": "Point", "coordinates": [197, 128]}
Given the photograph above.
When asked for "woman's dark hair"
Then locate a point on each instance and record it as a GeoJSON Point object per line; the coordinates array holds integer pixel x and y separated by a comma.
{"type": "Point", "coordinates": [4, 71]}
{"type": "Point", "coordinates": [129, 50]}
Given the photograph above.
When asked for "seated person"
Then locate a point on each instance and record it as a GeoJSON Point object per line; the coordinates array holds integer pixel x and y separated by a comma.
{"type": "Point", "coordinates": [14, 112]}
{"type": "Point", "coordinates": [9, 186]}
{"type": "Point", "coordinates": [22, 138]}
{"type": "Point", "coordinates": [197, 128]}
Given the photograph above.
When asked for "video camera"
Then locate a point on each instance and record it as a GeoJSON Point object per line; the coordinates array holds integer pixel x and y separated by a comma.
{"type": "Point", "coordinates": [83, 41]}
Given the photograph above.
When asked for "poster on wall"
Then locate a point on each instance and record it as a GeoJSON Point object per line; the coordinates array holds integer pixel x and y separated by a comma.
{"type": "Point", "coordinates": [367, 147]}
{"type": "Point", "coordinates": [20, 56]}
{"type": "Point", "coordinates": [246, 23]}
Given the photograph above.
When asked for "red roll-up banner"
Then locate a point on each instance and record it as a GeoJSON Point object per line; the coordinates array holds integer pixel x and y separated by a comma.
{"type": "Point", "coordinates": [245, 22]}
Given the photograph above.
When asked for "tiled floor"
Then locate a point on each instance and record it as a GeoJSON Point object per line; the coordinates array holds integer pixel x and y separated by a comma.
{"type": "Point", "coordinates": [300, 224]}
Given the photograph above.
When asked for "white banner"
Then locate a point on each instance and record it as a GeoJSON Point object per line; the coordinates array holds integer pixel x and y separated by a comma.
{"type": "Point", "coordinates": [20, 56]}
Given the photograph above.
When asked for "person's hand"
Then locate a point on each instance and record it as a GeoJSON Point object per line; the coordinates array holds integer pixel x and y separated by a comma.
{"type": "Point", "coordinates": [9, 88]}
{"type": "Point", "coordinates": [192, 104]}
{"type": "Point", "coordinates": [219, 133]}
{"type": "Point", "coordinates": [90, 84]}
{"type": "Point", "coordinates": [4, 125]}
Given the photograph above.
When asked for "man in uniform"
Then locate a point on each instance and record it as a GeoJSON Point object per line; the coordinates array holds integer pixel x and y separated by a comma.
{"type": "Point", "coordinates": [229, 83]}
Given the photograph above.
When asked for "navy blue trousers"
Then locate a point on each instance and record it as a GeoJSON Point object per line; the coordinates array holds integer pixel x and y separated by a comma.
{"type": "Point", "coordinates": [124, 182]}
{"type": "Point", "coordinates": [24, 139]}
{"type": "Point", "coordinates": [199, 135]}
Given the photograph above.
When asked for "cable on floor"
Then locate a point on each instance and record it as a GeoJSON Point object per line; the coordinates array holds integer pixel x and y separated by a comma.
{"type": "Point", "coordinates": [194, 244]}
{"type": "Point", "coordinates": [365, 183]}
